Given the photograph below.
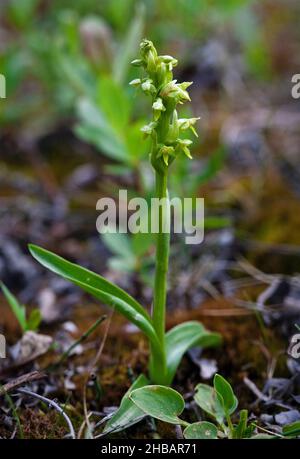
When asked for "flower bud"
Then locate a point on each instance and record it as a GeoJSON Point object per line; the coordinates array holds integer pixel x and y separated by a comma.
{"type": "Point", "coordinates": [161, 72]}
{"type": "Point", "coordinates": [137, 62]}
{"type": "Point", "coordinates": [135, 83]}
{"type": "Point", "coordinates": [148, 87]}
{"type": "Point", "coordinates": [173, 131]}
{"type": "Point", "coordinates": [149, 55]}
{"type": "Point", "coordinates": [169, 60]}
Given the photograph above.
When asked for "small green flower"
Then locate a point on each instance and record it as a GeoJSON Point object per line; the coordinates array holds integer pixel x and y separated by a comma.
{"type": "Point", "coordinates": [175, 91]}
{"type": "Point", "coordinates": [149, 55]}
{"type": "Point", "coordinates": [164, 152]}
{"type": "Point", "coordinates": [148, 87]}
{"type": "Point", "coordinates": [169, 60]}
{"type": "Point", "coordinates": [183, 145]}
{"type": "Point", "coordinates": [188, 123]}
{"type": "Point", "coordinates": [149, 128]}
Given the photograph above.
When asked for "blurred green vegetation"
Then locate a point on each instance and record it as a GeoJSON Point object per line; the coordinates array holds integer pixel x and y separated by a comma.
{"type": "Point", "coordinates": [54, 52]}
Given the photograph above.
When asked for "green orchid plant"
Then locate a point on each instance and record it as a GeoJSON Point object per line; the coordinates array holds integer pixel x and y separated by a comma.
{"type": "Point", "coordinates": [165, 129]}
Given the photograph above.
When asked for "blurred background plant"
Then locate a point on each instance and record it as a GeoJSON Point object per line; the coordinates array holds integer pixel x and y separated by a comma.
{"type": "Point", "coordinates": [69, 135]}
{"type": "Point", "coordinates": [77, 57]}
{"type": "Point", "coordinates": [67, 67]}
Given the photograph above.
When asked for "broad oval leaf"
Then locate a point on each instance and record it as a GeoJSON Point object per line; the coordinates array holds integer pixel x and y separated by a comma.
{"type": "Point", "coordinates": [128, 413]}
{"type": "Point", "coordinates": [201, 431]}
{"type": "Point", "coordinates": [99, 287]}
{"type": "Point", "coordinates": [160, 402]}
{"type": "Point", "coordinates": [225, 394]}
{"type": "Point", "coordinates": [206, 397]}
{"type": "Point", "coordinates": [183, 337]}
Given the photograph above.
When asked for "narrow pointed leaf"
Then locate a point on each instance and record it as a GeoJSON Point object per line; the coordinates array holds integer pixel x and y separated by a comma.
{"type": "Point", "coordinates": [99, 287]}
{"type": "Point", "coordinates": [17, 308]}
{"type": "Point", "coordinates": [292, 430]}
{"type": "Point", "coordinates": [240, 431]}
{"type": "Point", "coordinates": [77, 273]}
{"type": "Point", "coordinates": [160, 402]}
{"type": "Point", "coordinates": [201, 431]}
{"type": "Point", "coordinates": [183, 337]}
{"type": "Point", "coordinates": [128, 413]}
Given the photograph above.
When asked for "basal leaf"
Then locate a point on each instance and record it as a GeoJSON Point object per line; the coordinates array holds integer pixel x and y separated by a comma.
{"type": "Point", "coordinates": [160, 402]}
{"type": "Point", "coordinates": [181, 338]}
{"type": "Point", "coordinates": [128, 413]}
{"type": "Point", "coordinates": [77, 273]}
{"type": "Point", "coordinates": [225, 394]}
{"type": "Point", "coordinates": [206, 397]}
{"type": "Point", "coordinates": [201, 431]}
{"type": "Point", "coordinates": [99, 287]}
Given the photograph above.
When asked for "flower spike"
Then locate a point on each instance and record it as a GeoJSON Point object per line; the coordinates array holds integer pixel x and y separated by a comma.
{"type": "Point", "coordinates": [166, 94]}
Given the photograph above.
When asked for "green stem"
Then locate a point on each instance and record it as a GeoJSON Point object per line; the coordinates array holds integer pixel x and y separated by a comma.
{"type": "Point", "coordinates": [230, 425]}
{"type": "Point", "coordinates": [158, 368]}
